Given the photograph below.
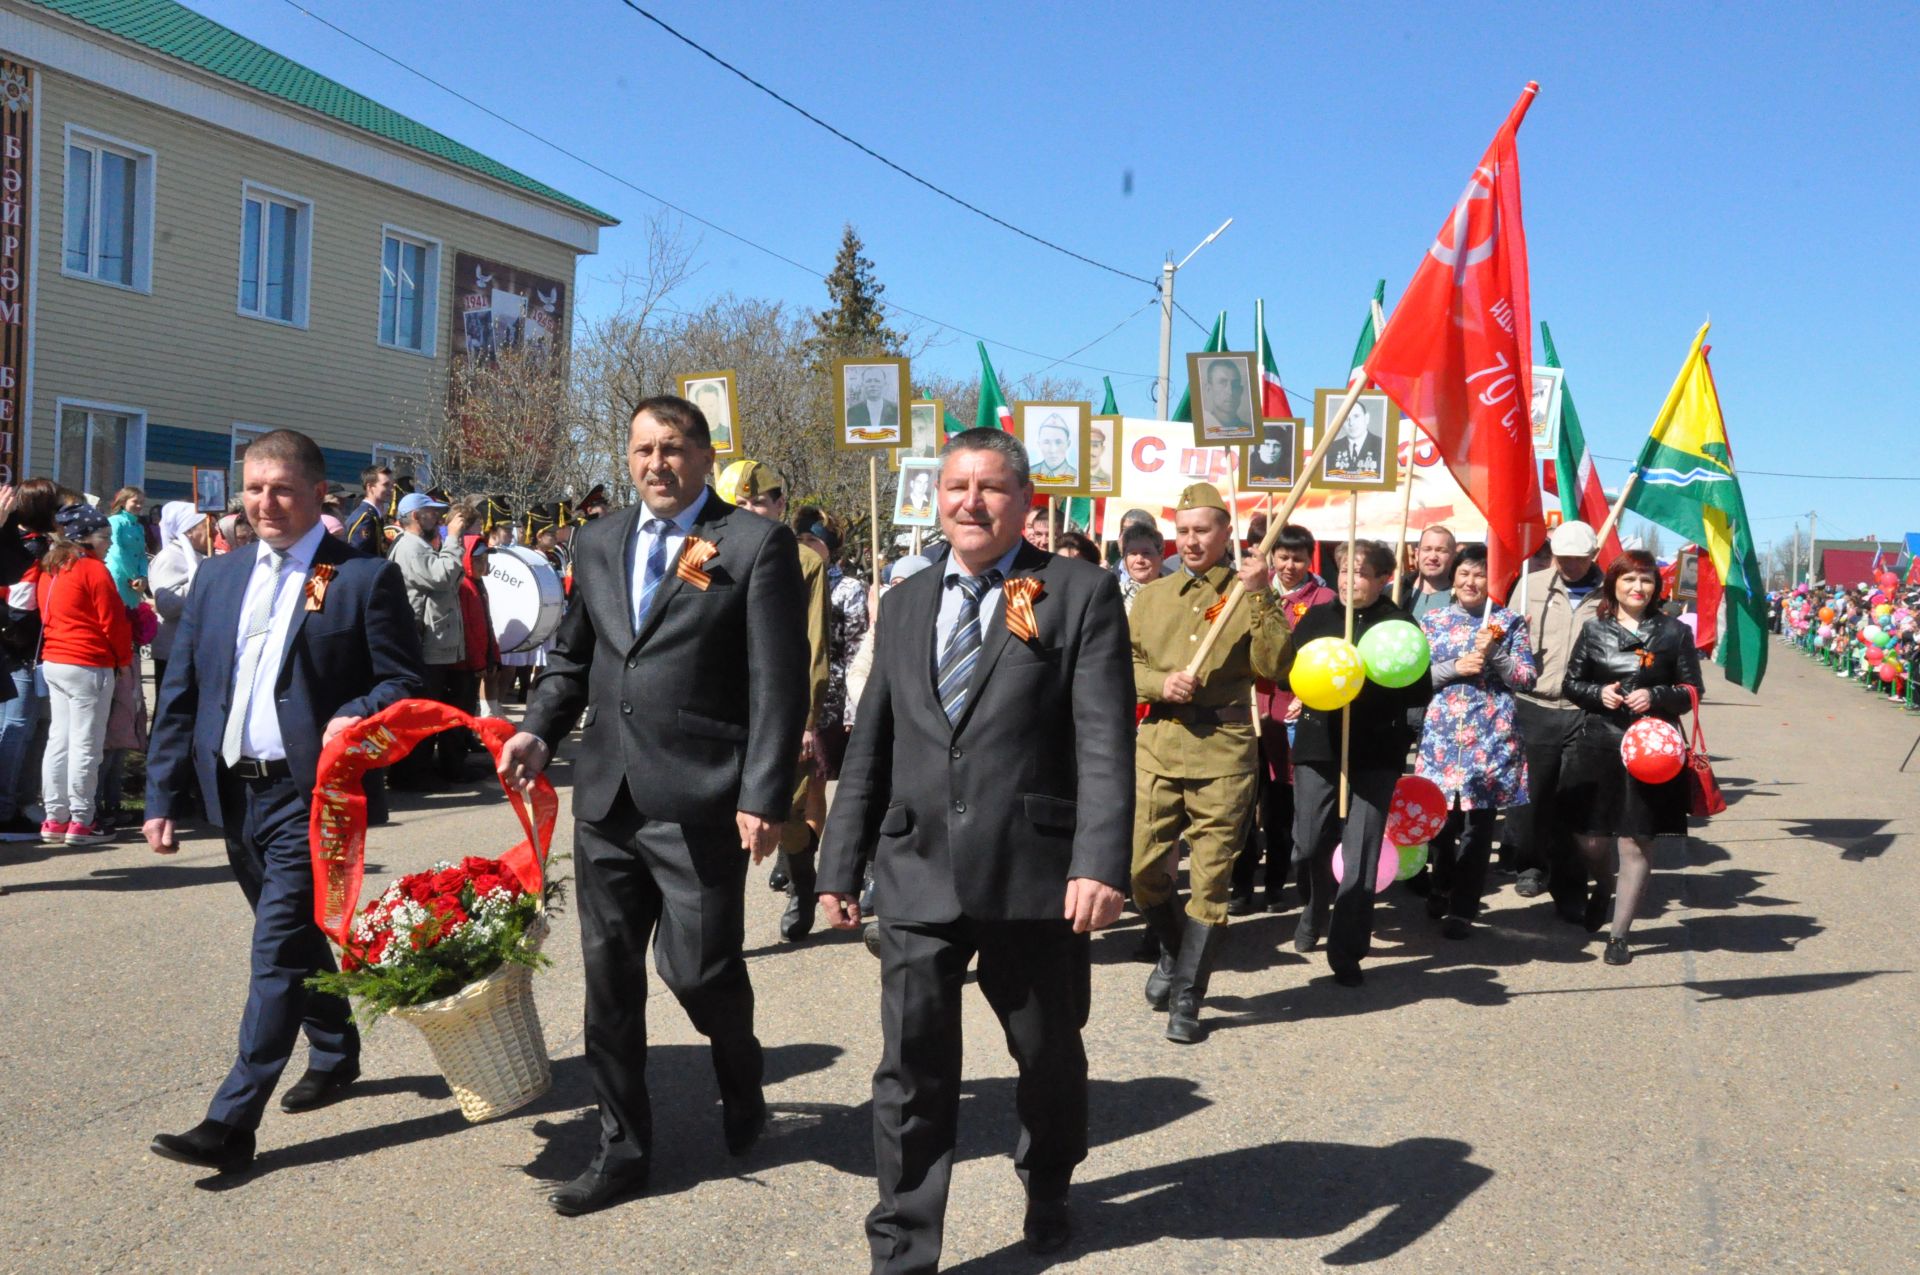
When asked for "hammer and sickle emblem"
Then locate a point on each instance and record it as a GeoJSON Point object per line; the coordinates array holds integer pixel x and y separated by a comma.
{"type": "Point", "coordinates": [1461, 259]}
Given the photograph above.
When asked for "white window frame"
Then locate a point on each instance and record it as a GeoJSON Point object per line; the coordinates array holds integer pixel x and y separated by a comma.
{"type": "Point", "coordinates": [430, 306]}
{"type": "Point", "coordinates": [145, 176]}
{"type": "Point", "coordinates": [136, 458]}
{"type": "Point", "coordinates": [387, 453]}
{"type": "Point", "coordinates": [303, 254]}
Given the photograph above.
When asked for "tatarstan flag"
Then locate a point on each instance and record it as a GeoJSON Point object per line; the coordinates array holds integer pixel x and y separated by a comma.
{"type": "Point", "coordinates": [1369, 331]}
{"type": "Point", "coordinates": [1273, 395]}
{"type": "Point", "coordinates": [1108, 405]}
{"type": "Point", "coordinates": [1458, 355]}
{"type": "Point", "coordinates": [1577, 480]}
{"type": "Point", "coordinates": [1216, 341]}
{"type": "Point", "coordinates": [1687, 485]}
{"type": "Point", "coordinates": [993, 412]}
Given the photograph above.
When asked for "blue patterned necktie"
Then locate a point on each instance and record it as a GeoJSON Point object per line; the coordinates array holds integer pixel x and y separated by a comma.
{"type": "Point", "coordinates": [963, 644]}
{"type": "Point", "coordinates": [656, 569]}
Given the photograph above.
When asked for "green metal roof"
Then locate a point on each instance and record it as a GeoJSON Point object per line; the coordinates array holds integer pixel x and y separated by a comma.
{"type": "Point", "coordinates": [178, 32]}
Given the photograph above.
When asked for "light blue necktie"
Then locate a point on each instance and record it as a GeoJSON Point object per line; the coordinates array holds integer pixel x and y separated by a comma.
{"type": "Point", "coordinates": [655, 572]}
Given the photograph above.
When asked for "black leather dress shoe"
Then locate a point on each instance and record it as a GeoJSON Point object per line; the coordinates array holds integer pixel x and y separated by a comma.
{"type": "Point", "coordinates": [318, 1089]}
{"type": "Point", "coordinates": [596, 1189]}
{"type": "Point", "coordinates": [742, 1123]}
{"type": "Point", "coordinates": [1048, 1226]}
{"type": "Point", "coordinates": [1348, 975]}
{"type": "Point", "coordinates": [209, 1144]}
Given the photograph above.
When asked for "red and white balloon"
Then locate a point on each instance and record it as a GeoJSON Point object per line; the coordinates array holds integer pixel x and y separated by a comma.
{"type": "Point", "coordinates": [1653, 750]}
{"type": "Point", "coordinates": [1418, 812]}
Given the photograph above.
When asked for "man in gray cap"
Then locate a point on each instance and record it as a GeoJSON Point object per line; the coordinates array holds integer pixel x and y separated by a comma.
{"type": "Point", "coordinates": [1560, 600]}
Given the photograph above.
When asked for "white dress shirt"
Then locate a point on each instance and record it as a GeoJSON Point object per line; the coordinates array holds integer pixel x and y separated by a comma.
{"type": "Point", "coordinates": [951, 597]}
{"type": "Point", "coordinates": [679, 527]}
{"type": "Point", "coordinates": [261, 738]}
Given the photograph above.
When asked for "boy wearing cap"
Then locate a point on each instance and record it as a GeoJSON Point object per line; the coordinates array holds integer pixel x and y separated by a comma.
{"type": "Point", "coordinates": [1195, 751]}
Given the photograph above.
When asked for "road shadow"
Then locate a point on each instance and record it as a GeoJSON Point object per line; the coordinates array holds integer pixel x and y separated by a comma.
{"type": "Point", "coordinates": [1735, 989]}
{"type": "Point", "coordinates": [1281, 1191]}
{"type": "Point", "coordinates": [1856, 839]}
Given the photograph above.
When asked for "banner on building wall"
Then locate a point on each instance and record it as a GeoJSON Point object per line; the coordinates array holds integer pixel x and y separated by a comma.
{"type": "Point", "coordinates": [497, 308]}
{"type": "Point", "coordinates": [16, 210]}
{"type": "Point", "coordinates": [1158, 460]}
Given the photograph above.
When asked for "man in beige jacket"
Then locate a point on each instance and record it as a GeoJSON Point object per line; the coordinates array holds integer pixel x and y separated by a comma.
{"type": "Point", "coordinates": [1559, 601]}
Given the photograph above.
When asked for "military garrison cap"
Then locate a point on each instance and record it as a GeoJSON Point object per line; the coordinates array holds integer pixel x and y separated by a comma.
{"type": "Point", "coordinates": [1201, 496]}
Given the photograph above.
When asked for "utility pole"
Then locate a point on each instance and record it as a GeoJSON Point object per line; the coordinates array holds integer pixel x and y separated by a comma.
{"type": "Point", "coordinates": [1793, 568]}
{"type": "Point", "coordinates": [1167, 271]}
{"type": "Point", "coordinates": [1813, 542]}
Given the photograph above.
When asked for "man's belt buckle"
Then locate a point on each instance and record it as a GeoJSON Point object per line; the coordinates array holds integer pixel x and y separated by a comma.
{"type": "Point", "coordinates": [251, 768]}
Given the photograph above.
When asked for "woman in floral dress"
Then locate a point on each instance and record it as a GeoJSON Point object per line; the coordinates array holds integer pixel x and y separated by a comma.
{"type": "Point", "coordinates": [1471, 744]}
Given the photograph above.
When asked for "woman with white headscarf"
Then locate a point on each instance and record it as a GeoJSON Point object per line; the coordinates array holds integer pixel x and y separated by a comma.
{"type": "Point", "coordinates": [183, 543]}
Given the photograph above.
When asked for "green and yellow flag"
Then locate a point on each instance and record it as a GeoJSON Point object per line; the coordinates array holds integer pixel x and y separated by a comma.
{"type": "Point", "coordinates": [1687, 485]}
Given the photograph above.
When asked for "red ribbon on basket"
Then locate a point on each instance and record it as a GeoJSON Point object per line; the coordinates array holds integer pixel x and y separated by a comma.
{"type": "Point", "coordinates": [337, 828]}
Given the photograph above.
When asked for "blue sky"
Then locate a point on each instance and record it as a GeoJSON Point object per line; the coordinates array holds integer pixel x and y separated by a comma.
{"type": "Point", "coordinates": [1757, 163]}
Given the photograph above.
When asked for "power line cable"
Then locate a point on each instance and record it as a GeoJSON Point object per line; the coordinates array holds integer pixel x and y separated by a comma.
{"type": "Point", "coordinates": [864, 149]}
{"type": "Point", "coordinates": [696, 217]}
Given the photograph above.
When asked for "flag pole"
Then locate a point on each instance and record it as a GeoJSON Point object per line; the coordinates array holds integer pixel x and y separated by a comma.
{"type": "Point", "coordinates": [1346, 710]}
{"type": "Point", "coordinates": [1294, 497]}
{"type": "Point", "coordinates": [873, 510]}
{"type": "Point", "coordinates": [1050, 548]}
{"type": "Point", "coordinates": [1406, 511]}
{"type": "Point", "coordinates": [1613, 514]}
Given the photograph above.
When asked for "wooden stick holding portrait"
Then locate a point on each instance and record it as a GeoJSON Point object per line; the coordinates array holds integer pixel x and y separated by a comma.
{"type": "Point", "coordinates": [1346, 710]}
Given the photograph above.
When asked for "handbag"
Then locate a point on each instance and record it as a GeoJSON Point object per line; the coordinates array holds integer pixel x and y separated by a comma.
{"type": "Point", "coordinates": [1703, 790]}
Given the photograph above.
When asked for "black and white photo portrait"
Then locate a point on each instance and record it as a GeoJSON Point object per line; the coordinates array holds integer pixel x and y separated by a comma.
{"type": "Point", "coordinates": [1223, 398]}
{"type": "Point", "coordinates": [1055, 436]}
{"type": "Point", "coordinates": [1273, 463]}
{"type": "Point", "coordinates": [872, 398]}
{"type": "Point", "coordinates": [1103, 454]}
{"type": "Point", "coordinates": [713, 394]}
{"type": "Point", "coordinates": [924, 433]}
{"type": "Point", "coordinates": [914, 502]}
{"type": "Point", "coordinates": [1361, 458]}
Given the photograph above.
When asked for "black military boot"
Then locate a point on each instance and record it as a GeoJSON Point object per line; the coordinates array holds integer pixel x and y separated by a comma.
{"type": "Point", "coordinates": [1163, 919]}
{"type": "Point", "coordinates": [1317, 883]}
{"type": "Point", "coordinates": [802, 904]}
{"type": "Point", "coordinates": [1191, 973]}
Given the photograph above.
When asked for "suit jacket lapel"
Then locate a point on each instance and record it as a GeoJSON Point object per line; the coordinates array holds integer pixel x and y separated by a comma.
{"type": "Point", "coordinates": [707, 527]}
{"type": "Point", "coordinates": [922, 627]}
{"type": "Point", "coordinates": [224, 619]}
{"type": "Point", "coordinates": [327, 551]}
{"type": "Point", "coordinates": [614, 599]}
{"type": "Point", "coordinates": [994, 637]}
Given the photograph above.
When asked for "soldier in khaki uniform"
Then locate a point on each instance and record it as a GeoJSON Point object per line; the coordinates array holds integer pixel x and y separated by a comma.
{"type": "Point", "coordinates": [1196, 750]}
{"type": "Point", "coordinates": [758, 486]}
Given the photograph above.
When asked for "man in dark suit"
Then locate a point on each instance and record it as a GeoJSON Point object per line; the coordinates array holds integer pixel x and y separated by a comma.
{"type": "Point", "coordinates": [991, 773]}
{"type": "Point", "coordinates": [876, 407]}
{"type": "Point", "coordinates": [284, 644]}
{"type": "Point", "coordinates": [367, 524]}
{"type": "Point", "coordinates": [685, 649]}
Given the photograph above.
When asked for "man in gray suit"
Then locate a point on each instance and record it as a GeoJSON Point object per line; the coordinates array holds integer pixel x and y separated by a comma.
{"type": "Point", "coordinates": [991, 773]}
{"type": "Point", "coordinates": [685, 649]}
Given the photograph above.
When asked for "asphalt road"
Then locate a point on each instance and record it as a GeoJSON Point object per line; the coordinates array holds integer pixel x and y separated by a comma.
{"type": "Point", "coordinates": [1740, 1098]}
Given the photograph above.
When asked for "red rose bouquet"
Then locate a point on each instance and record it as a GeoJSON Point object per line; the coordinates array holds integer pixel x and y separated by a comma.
{"type": "Point", "coordinates": [432, 933]}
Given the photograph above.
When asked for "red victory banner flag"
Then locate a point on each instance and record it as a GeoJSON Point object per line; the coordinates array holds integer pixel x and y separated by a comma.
{"type": "Point", "coordinates": [1458, 354]}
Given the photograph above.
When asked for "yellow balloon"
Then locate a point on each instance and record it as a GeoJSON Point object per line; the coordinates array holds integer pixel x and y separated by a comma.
{"type": "Point", "coordinates": [1328, 673]}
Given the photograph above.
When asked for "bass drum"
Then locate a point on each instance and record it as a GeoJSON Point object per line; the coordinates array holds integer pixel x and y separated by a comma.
{"type": "Point", "coordinates": [524, 598]}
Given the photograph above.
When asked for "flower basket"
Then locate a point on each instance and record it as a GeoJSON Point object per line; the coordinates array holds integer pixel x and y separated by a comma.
{"type": "Point", "coordinates": [451, 949]}
{"type": "Point", "coordinates": [486, 1040]}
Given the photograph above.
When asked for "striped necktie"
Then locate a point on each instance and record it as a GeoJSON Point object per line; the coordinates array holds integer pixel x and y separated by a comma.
{"type": "Point", "coordinates": [655, 570]}
{"type": "Point", "coordinates": [963, 644]}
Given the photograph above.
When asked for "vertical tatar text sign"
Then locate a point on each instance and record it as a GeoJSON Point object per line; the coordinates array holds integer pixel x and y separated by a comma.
{"type": "Point", "coordinates": [16, 171]}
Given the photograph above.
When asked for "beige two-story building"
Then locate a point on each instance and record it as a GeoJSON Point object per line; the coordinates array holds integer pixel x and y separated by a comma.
{"type": "Point", "coordinates": [201, 240]}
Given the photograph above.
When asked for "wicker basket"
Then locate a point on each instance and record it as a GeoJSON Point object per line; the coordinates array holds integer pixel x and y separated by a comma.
{"type": "Point", "coordinates": [486, 1039]}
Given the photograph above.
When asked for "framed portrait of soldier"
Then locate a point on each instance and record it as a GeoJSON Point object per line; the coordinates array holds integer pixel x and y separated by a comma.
{"type": "Point", "coordinates": [1055, 436]}
{"type": "Point", "coordinates": [1548, 385]}
{"type": "Point", "coordinates": [870, 402]}
{"type": "Point", "coordinates": [1103, 455]}
{"type": "Point", "coordinates": [914, 503]}
{"type": "Point", "coordinates": [925, 416]}
{"type": "Point", "coordinates": [1365, 447]}
{"type": "Point", "coordinates": [1223, 394]}
{"type": "Point", "coordinates": [1273, 463]}
{"type": "Point", "coordinates": [209, 490]}
{"type": "Point", "coordinates": [714, 394]}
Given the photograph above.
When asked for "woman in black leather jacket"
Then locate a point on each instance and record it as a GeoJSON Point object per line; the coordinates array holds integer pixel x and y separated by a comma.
{"type": "Point", "coordinates": [1630, 662]}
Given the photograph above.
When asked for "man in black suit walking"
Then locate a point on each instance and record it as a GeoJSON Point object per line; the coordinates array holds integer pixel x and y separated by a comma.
{"type": "Point", "coordinates": [686, 650]}
{"type": "Point", "coordinates": [284, 643]}
{"type": "Point", "coordinates": [991, 773]}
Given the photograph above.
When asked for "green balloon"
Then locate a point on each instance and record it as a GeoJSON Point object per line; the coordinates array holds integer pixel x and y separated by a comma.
{"type": "Point", "coordinates": [1396, 653]}
{"type": "Point", "coordinates": [1412, 859]}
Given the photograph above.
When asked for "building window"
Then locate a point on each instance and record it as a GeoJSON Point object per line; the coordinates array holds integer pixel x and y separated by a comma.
{"type": "Point", "coordinates": [242, 436]}
{"type": "Point", "coordinates": [405, 462]}
{"type": "Point", "coordinates": [276, 233]}
{"type": "Point", "coordinates": [409, 273]}
{"type": "Point", "coordinates": [98, 449]}
{"type": "Point", "coordinates": [109, 213]}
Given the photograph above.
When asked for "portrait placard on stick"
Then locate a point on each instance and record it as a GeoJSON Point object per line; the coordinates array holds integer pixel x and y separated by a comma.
{"type": "Point", "coordinates": [1361, 458]}
{"type": "Point", "coordinates": [1055, 436]}
{"type": "Point", "coordinates": [914, 504]}
{"type": "Point", "coordinates": [1103, 455]}
{"type": "Point", "coordinates": [870, 400]}
{"type": "Point", "coordinates": [1224, 397]}
{"type": "Point", "coordinates": [1547, 386]}
{"type": "Point", "coordinates": [1273, 463]}
{"type": "Point", "coordinates": [715, 394]}
{"type": "Point", "coordinates": [209, 490]}
{"type": "Point", "coordinates": [924, 435]}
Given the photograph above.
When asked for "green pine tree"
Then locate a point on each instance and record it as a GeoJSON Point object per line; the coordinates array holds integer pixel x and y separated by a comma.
{"type": "Point", "coordinates": [854, 322]}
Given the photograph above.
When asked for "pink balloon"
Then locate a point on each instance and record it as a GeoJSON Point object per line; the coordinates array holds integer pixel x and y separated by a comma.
{"type": "Point", "coordinates": [1383, 877]}
{"type": "Point", "coordinates": [1875, 655]}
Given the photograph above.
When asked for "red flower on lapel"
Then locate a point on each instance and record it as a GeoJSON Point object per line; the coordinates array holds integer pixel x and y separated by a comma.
{"type": "Point", "coordinates": [1019, 596]}
{"type": "Point", "coordinates": [317, 581]}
